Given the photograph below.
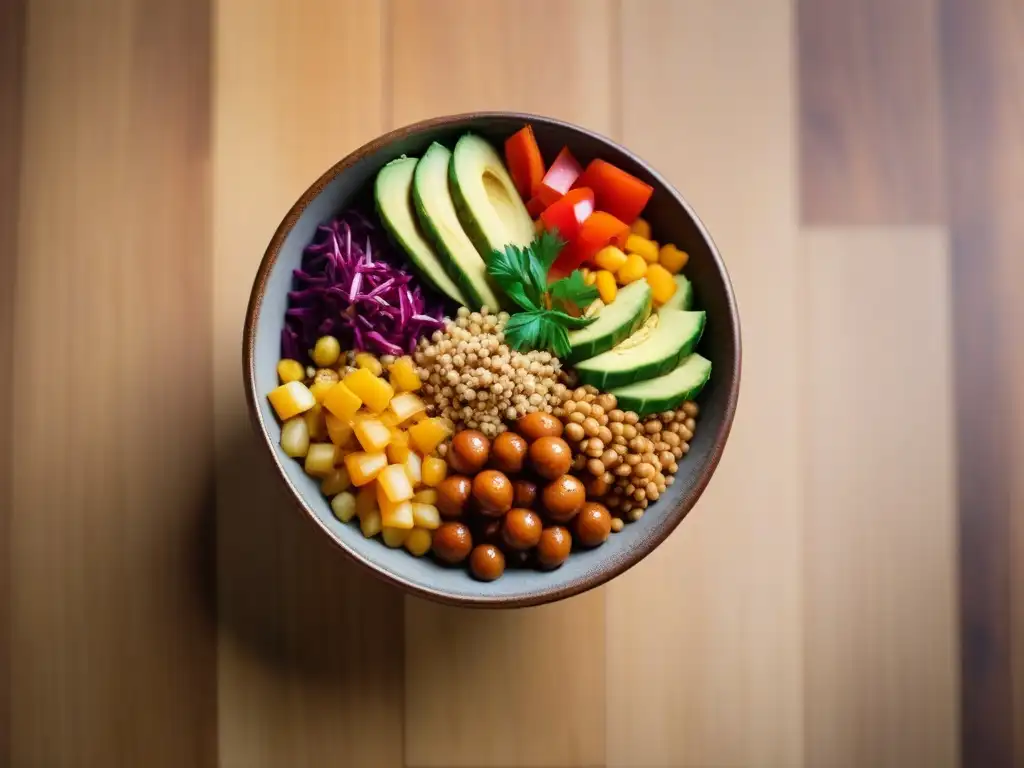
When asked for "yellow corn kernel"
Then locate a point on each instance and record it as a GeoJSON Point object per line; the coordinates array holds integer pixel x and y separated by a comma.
{"type": "Point", "coordinates": [344, 506]}
{"type": "Point", "coordinates": [425, 496]}
{"type": "Point", "coordinates": [418, 542]}
{"type": "Point", "coordinates": [398, 449]}
{"type": "Point", "coordinates": [320, 459]}
{"type": "Point", "coordinates": [397, 514]}
{"type": "Point", "coordinates": [428, 434]}
{"type": "Point", "coordinates": [394, 482]}
{"type": "Point", "coordinates": [366, 499]}
{"type": "Point", "coordinates": [403, 375]}
{"type": "Point", "coordinates": [406, 405]}
{"type": "Point", "coordinates": [394, 537]}
{"type": "Point", "coordinates": [372, 435]}
{"type": "Point", "coordinates": [371, 523]}
{"type": "Point", "coordinates": [606, 286]}
{"type": "Point", "coordinates": [291, 399]}
{"type": "Point", "coordinates": [610, 258]}
{"type": "Point", "coordinates": [672, 259]}
{"type": "Point", "coordinates": [364, 467]}
{"type": "Point", "coordinates": [634, 269]}
{"type": "Point", "coordinates": [434, 471]}
{"type": "Point", "coordinates": [342, 402]}
{"type": "Point", "coordinates": [370, 363]}
{"type": "Point", "coordinates": [642, 228]}
{"type": "Point", "coordinates": [414, 468]}
{"type": "Point", "coordinates": [326, 352]}
{"type": "Point", "coordinates": [374, 392]}
{"type": "Point", "coordinates": [295, 437]}
{"type": "Point", "coordinates": [590, 278]}
{"type": "Point", "coordinates": [425, 516]}
{"type": "Point", "coordinates": [315, 421]}
{"type": "Point", "coordinates": [661, 282]}
{"type": "Point", "coordinates": [641, 246]}
{"type": "Point", "coordinates": [290, 370]}
{"type": "Point", "coordinates": [336, 482]}
{"type": "Point", "coordinates": [338, 431]}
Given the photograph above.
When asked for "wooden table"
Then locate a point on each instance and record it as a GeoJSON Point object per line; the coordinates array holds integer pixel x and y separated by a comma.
{"type": "Point", "coordinates": [837, 600]}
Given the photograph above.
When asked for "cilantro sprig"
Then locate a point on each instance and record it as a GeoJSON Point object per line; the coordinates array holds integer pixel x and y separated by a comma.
{"type": "Point", "coordinates": [523, 274]}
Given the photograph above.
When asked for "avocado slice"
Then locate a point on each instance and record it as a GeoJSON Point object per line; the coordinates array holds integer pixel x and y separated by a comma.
{"type": "Point", "coordinates": [615, 323]}
{"type": "Point", "coordinates": [666, 392]}
{"type": "Point", "coordinates": [392, 193]}
{"type": "Point", "coordinates": [486, 199]}
{"type": "Point", "coordinates": [683, 297]}
{"type": "Point", "coordinates": [435, 212]}
{"type": "Point", "coordinates": [646, 354]}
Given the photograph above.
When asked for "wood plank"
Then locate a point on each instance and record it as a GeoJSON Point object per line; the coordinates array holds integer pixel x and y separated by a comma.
{"type": "Point", "coordinates": [871, 122]}
{"type": "Point", "coordinates": [454, 56]}
{"type": "Point", "coordinates": [310, 648]}
{"type": "Point", "coordinates": [984, 99]}
{"type": "Point", "coordinates": [113, 651]}
{"type": "Point", "coordinates": [705, 635]}
{"type": "Point", "coordinates": [882, 664]}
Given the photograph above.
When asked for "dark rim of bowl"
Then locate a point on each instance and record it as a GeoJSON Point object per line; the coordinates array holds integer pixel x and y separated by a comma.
{"type": "Point", "coordinates": [591, 578]}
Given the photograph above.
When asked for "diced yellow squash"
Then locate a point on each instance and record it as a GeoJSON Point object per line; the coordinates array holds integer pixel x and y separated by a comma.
{"type": "Point", "coordinates": [434, 471]}
{"type": "Point", "coordinates": [291, 399]}
{"type": "Point", "coordinates": [403, 375]}
{"type": "Point", "coordinates": [321, 389]}
{"type": "Point", "coordinates": [607, 288]}
{"type": "Point", "coordinates": [389, 419]}
{"type": "Point", "coordinates": [418, 542]}
{"type": "Point", "coordinates": [369, 362]}
{"type": "Point", "coordinates": [394, 481]}
{"type": "Point", "coordinates": [364, 467]}
{"type": "Point", "coordinates": [414, 468]}
{"type": "Point", "coordinates": [339, 431]}
{"type": "Point", "coordinates": [366, 499]}
{"type": "Point", "coordinates": [634, 269]}
{"type": "Point", "coordinates": [372, 435]}
{"type": "Point", "coordinates": [290, 370]}
{"type": "Point", "coordinates": [672, 259]}
{"type": "Point", "coordinates": [295, 437]}
{"type": "Point", "coordinates": [610, 258]}
{"type": "Point", "coordinates": [371, 523]}
{"type": "Point", "coordinates": [642, 228]}
{"type": "Point", "coordinates": [661, 282]}
{"type": "Point", "coordinates": [317, 424]}
{"type": "Point", "coordinates": [374, 392]}
{"type": "Point", "coordinates": [428, 434]}
{"type": "Point", "coordinates": [342, 401]}
{"type": "Point", "coordinates": [425, 496]}
{"type": "Point", "coordinates": [398, 449]}
{"type": "Point", "coordinates": [648, 249]}
{"type": "Point", "coordinates": [405, 405]}
{"type": "Point", "coordinates": [397, 515]}
{"type": "Point", "coordinates": [320, 459]}
{"type": "Point", "coordinates": [425, 516]}
{"type": "Point", "coordinates": [344, 506]}
{"type": "Point", "coordinates": [394, 537]}
{"type": "Point", "coordinates": [336, 482]}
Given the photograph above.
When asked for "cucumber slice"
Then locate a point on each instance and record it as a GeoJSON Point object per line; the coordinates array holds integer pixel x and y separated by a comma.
{"type": "Point", "coordinates": [666, 392]}
{"type": "Point", "coordinates": [683, 297]}
{"type": "Point", "coordinates": [616, 322]}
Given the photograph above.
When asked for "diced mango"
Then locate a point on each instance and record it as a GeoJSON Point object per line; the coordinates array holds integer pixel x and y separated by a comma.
{"type": "Point", "coordinates": [344, 506]}
{"type": "Point", "coordinates": [414, 469]}
{"type": "Point", "coordinates": [372, 435]}
{"type": "Point", "coordinates": [366, 499]}
{"type": "Point", "coordinates": [370, 363]}
{"type": "Point", "coordinates": [641, 246]}
{"type": "Point", "coordinates": [397, 515]}
{"type": "Point", "coordinates": [641, 227]}
{"type": "Point", "coordinates": [661, 282]}
{"type": "Point", "coordinates": [672, 259]}
{"type": "Point", "coordinates": [290, 370]}
{"type": "Point", "coordinates": [403, 375]}
{"type": "Point", "coordinates": [425, 496]}
{"type": "Point", "coordinates": [394, 482]}
{"type": "Point", "coordinates": [434, 471]}
{"type": "Point", "coordinates": [428, 434]}
{"type": "Point", "coordinates": [607, 288]}
{"type": "Point", "coordinates": [398, 449]}
{"type": "Point", "coordinates": [425, 516]}
{"type": "Point", "coordinates": [406, 405]}
{"type": "Point", "coordinates": [634, 269]}
{"type": "Point", "coordinates": [291, 399]}
{"type": "Point", "coordinates": [389, 419]}
{"type": "Point", "coordinates": [320, 459]}
{"type": "Point", "coordinates": [336, 482]}
{"type": "Point", "coordinates": [338, 431]}
{"type": "Point", "coordinates": [315, 421]}
{"type": "Point", "coordinates": [321, 389]}
{"type": "Point", "coordinates": [371, 523]}
{"type": "Point", "coordinates": [418, 542]}
{"type": "Point", "coordinates": [295, 437]}
{"type": "Point", "coordinates": [394, 537]}
{"type": "Point", "coordinates": [364, 467]}
{"type": "Point", "coordinates": [374, 392]}
{"type": "Point", "coordinates": [610, 258]}
{"type": "Point", "coordinates": [342, 401]}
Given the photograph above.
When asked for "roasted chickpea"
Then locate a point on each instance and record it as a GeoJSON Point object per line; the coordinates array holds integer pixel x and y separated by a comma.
{"type": "Point", "coordinates": [551, 457]}
{"type": "Point", "coordinates": [489, 532]}
{"type": "Point", "coordinates": [524, 493]}
{"type": "Point", "coordinates": [492, 492]}
{"type": "Point", "coordinates": [453, 495]}
{"type": "Point", "coordinates": [486, 562]}
{"type": "Point", "coordinates": [521, 529]}
{"type": "Point", "coordinates": [468, 452]}
{"type": "Point", "coordinates": [593, 524]}
{"type": "Point", "coordinates": [553, 547]}
{"type": "Point", "coordinates": [563, 498]}
{"type": "Point", "coordinates": [537, 425]}
{"type": "Point", "coordinates": [508, 452]}
{"type": "Point", "coordinates": [452, 542]}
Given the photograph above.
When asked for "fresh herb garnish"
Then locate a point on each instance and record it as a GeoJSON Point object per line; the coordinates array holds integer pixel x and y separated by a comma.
{"type": "Point", "coordinates": [523, 274]}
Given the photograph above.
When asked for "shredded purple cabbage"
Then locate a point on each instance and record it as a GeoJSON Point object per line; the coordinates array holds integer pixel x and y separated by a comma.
{"type": "Point", "coordinates": [350, 287]}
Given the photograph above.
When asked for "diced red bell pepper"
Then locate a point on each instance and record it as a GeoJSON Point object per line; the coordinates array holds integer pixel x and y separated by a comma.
{"type": "Point", "coordinates": [568, 213]}
{"type": "Point", "coordinates": [621, 194]}
{"type": "Point", "coordinates": [525, 164]}
{"type": "Point", "coordinates": [535, 207]}
{"type": "Point", "coordinates": [600, 229]}
{"type": "Point", "coordinates": [560, 177]}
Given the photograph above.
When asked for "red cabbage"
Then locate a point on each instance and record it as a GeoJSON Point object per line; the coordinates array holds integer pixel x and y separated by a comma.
{"type": "Point", "coordinates": [350, 285]}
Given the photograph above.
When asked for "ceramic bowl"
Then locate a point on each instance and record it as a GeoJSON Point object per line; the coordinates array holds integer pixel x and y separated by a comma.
{"type": "Point", "coordinates": [672, 219]}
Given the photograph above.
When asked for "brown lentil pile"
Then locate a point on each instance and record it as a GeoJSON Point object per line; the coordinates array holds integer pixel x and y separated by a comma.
{"type": "Point", "coordinates": [476, 381]}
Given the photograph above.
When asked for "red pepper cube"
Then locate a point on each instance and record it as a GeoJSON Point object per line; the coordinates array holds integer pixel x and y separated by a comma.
{"type": "Point", "coordinates": [560, 177]}
{"type": "Point", "coordinates": [617, 192]}
{"type": "Point", "coordinates": [568, 213]}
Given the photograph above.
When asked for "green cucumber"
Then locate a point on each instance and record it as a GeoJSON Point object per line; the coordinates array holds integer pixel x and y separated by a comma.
{"type": "Point", "coordinates": [666, 392]}
{"type": "Point", "coordinates": [615, 323]}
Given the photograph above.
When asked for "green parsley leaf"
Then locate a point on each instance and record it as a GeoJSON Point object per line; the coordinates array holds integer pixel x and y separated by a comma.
{"type": "Point", "coordinates": [537, 329]}
{"type": "Point", "coordinates": [570, 322]}
{"type": "Point", "coordinates": [508, 269]}
{"type": "Point", "coordinates": [573, 290]}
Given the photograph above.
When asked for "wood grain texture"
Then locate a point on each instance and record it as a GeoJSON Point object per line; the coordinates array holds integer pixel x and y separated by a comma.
{"type": "Point", "coordinates": [310, 647]}
{"type": "Point", "coordinates": [881, 662]}
{"type": "Point", "coordinates": [705, 635]}
{"type": "Point", "coordinates": [455, 56]}
{"type": "Point", "coordinates": [871, 128]}
{"type": "Point", "coordinates": [113, 649]}
{"type": "Point", "coordinates": [984, 75]}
